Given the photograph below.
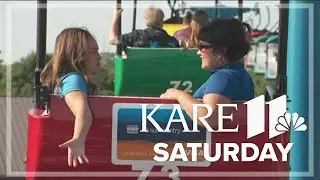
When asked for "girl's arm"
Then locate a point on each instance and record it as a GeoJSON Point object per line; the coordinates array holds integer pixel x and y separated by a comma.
{"type": "Point", "coordinates": [78, 104]}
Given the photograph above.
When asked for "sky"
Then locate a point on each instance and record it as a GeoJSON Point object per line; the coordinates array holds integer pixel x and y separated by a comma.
{"type": "Point", "coordinates": [18, 21]}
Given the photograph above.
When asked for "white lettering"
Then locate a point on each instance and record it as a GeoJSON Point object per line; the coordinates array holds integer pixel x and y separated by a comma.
{"type": "Point", "coordinates": [157, 150]}
{"type": "Point", "coordinates": [175, 155]}
{"type": "Point", "coordinates": [231, 151]}
{"type": "Point", "coordinates": [244, 155]}
{"type": "Point", "coordinates": [221, 117]}
{"type": "Point", "coordinates": [201, 119]}
{"type": "Point", "coordinates": [272, 155]}
{"type": "Point", "coordinates": [149, 117]}
{"type": "Point", "coordinates": [255, 116]}
{"type": "Point", "coordinates": [181, 119]}
{"type": "Point", "coordinates": [206, 152]}
{"type": "Point", "coordinates": [284, 151]}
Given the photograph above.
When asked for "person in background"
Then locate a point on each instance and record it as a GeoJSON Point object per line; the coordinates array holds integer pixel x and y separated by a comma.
{"type": "Point", "coordinates": [152, 36]}
{"type": "Point", "coordinates": [182, 34]}
{"type": "Point", "coordinates": [222, 45]}
{"type": "Point", "coordinates": [68, 73]}
{"type": "Point", "coordinates": [199, 20]}
{"type": "Point", "coordinates": [188, 38]}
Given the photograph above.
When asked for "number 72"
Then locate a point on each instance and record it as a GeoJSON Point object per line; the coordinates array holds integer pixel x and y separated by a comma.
{"type": "Point", "coordinates": [187, 84]}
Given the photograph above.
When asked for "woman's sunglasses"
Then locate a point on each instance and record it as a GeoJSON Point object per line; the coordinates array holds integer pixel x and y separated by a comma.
{"type": "Point", "coordinates": [202, 47]}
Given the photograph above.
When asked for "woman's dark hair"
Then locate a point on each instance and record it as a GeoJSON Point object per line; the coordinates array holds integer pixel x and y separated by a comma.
{"type": "Point", "coordinates": [228, 37]}
{"type": "Point", "coordinates": [247, 27]}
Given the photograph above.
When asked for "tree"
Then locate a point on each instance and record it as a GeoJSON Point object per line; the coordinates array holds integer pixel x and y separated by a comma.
{"type": "Point", "coordinates": [3, 77]}
{"type": "Point", "coordinates": [23, 76]}
{"type": "Point", "coordinates": [104, 78]}
{"type": "Point", "coordinates": [260, 83]}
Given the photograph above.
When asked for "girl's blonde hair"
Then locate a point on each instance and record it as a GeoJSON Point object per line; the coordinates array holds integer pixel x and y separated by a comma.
{"type": "Point", "coordinates": [69, 56]}
{"type": "Point", "coordinates": [199, 19]}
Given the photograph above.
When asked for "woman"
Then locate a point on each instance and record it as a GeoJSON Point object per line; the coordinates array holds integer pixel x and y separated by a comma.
{"type": "Point", "coordinates": [74, 60]}
{"type": "Point", "coordinates": [222, 45]}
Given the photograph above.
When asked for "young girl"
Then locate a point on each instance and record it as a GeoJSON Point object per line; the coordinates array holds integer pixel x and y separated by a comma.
{"type": "Point", "coordinates": [75, 59]}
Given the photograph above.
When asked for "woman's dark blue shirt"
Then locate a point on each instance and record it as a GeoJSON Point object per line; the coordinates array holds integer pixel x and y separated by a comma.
{"type": "Point", "coordinates": [230, 80]}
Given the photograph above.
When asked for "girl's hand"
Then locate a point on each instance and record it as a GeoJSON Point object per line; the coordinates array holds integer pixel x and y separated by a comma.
{"type": "Point", "coordinates": [76, 151]}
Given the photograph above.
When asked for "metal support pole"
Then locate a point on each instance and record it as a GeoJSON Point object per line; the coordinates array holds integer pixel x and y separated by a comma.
{"type": "Point", "coordinates": [119, 49]}
{"type": "Point", "coordinates": [217, 9]}
{"type": "Point", "coordinates": [281, 80]}
{"type": "Point", "coordinates": [134, 15]}
{"type": "Point", "coordinates": [240, 9]}
{"type": "Point", "coordinates": [41, 49]}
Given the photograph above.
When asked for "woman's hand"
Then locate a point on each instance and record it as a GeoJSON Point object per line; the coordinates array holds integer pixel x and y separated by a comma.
{"type": "Point", "coordinates": [76, 151]}
{"type": "Point", "coordinates": [172, 93]}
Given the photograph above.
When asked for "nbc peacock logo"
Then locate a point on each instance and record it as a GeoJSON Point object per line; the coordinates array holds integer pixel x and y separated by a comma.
{"type": "Point", "coordinates": [279, 120]}
{"type": "Point", "coordinates": [289, 120]}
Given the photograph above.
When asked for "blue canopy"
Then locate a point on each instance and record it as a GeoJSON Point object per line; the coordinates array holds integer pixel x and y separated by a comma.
{"type": "Point", "coordinates": [224, 11]}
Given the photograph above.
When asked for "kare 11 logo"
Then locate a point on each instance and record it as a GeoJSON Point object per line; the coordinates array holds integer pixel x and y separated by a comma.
{"type": "Point", "coordinates": [280, 121]}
